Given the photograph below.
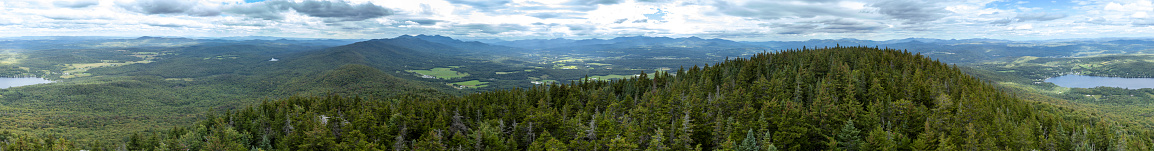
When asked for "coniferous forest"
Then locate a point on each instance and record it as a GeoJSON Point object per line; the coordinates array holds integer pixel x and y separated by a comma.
{"type": "Point", "coordinates": [576, 75]}
{"type": "Point", "coordinates": [838, 98]}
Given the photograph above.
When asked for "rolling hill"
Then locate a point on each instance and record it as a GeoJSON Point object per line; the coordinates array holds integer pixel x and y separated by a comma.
{"type": "Point", "coordinates": [184, 82]}
{"type": "Point", "coordinates": [842, 98]}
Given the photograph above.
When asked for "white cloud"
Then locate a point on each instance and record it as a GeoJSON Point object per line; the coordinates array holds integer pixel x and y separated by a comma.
{"type": "Point", "coordinates": [1022, 27]}
{"type": "Point", "coordinates": [519, 19]}
{"type": "Point", "coordinates": [1142, 5]}
{"type": "Point", "coordinates": [9, 20]}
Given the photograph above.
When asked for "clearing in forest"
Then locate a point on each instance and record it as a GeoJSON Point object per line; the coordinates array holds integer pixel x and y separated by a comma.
{"type": "Point", "coordinates": [469, 84]}
{"type": "Point", "coordinates": [440, 73]}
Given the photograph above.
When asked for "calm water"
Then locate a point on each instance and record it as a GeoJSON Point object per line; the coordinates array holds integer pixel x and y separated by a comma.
{"type": "Point", "coordinates": [15, 82]}
{"type": "Point", "coordinates": [1081, 81]}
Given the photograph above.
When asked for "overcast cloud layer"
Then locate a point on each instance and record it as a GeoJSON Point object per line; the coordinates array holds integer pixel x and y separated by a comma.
{"type": "Point", "coordinates": [749, 20]}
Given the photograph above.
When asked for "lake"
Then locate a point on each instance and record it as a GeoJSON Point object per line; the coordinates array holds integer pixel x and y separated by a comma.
{"type": "Point", "coordinates": [15, 82]}
{"type": "Point", "coordinates": [1081, 81]}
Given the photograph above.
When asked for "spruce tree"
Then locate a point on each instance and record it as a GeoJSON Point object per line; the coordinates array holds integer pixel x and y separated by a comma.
{"type": "Point", "coordinates": [656, 141]}
{"type": "Point", "coordinates": [848, 138]}
{"type": "Point", "coordinates": [619, 143]}
{"type": "Point", "coordinates": [750, 142]}
{"type": "Point", "coordinates": [135, 142]}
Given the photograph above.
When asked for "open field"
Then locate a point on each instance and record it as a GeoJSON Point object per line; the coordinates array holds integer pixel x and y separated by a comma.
{"type": "Point", "coordinates": [544, 81]}
{"type": "Point", "coordinates": [441, 73]}
{"type": "Point", "coordinates": [512, 72]}
{"type": "Point", "coordinates": [10, 58]}
{"type": "Point", "coordinates": [610, 77]}
{"type": "Point", "coordinates": [221, 57]}
{"type": "Point", "coordinates": [79, 69]}
{"type": "Point", "coordinates": [469, 84]}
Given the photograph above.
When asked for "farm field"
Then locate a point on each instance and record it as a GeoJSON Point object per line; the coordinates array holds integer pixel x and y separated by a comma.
{"type": "Point", "coordinates": [610, 77]}
{"type": "Point", "coordinates": [441, 73]}
{"type": "Point", "coordinates": [80, 69]}
{"type": "Point", "coordinates": [469, 84]}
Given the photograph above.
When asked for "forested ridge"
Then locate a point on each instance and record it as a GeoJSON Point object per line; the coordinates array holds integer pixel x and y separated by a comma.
{"type": "Point", "coordinates": [841, 98]}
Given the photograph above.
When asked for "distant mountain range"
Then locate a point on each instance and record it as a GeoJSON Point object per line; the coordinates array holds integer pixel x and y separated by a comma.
{"type": "Point", "coordinates": [950, 51]}
{"type": "Point", "coordinates": [623, 42]}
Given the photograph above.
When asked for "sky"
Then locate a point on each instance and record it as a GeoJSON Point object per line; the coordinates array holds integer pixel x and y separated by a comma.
{"type": "Point", "coordinates": [742, 20]}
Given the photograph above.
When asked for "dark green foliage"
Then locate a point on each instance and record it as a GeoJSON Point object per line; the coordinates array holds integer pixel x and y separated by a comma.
{"type": "Point", "coordinates": [749, 143]}
{"type": "Point", "coordinates": [356, 79]}
{"type": "Point", "coordinates": [849, 138]}
{"type": "Point", "coordinates": [795, 100]}
{"type": "Point", "coordinates": [811, 99]}
{"type": "Point", "coordinates": [10, 141]}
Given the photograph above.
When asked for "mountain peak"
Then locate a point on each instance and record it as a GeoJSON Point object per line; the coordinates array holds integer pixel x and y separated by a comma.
{"type": "Point", "coordinates": [149, 37]}
{"type": "Point", "coordinates": [161, 38]}
{"type": "Point", "coordinates": [432, 36]}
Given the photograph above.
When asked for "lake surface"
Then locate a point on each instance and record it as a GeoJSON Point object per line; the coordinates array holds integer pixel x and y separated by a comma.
{"type": "Point", "coordinates": [1081, 81]}
{"type": "Point", "coordinates": [15, 82]}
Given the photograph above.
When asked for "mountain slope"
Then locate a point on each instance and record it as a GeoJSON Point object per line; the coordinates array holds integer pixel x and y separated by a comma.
{"type": "Point", "coordinates": [823, 99]}
{"type": "Point", "coordinates": [184, 82]}
{"type": "Point", "coordinates": [359, 80]}
{"type": "Point", "coordinates": [385, 54]}
{"type": "Point", "coordinates": [463, 48]}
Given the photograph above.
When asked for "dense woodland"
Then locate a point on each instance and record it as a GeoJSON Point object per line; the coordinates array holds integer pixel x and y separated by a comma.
{"type": "Point", "coordinates": [841, 98]}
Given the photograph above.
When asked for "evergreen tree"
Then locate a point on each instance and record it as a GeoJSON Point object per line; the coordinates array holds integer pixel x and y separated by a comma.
{"type": "Point", "coordinates": [135, 142]}
{"type": "Point", "coordinates": [548, 143]}
{"type": "Point", "coordinates": [881, 140]}
{"type": "Point", "coordinates": [619, 143]}
{"type": "Point", "coordinates": [749, 143]}
{"type": "Point", "coordinates": [767, 141]}
{"type": "Point", "coordinates": [684, 140]}
{"type": "Point", "coordinates": [848, 138]}
{"type": "Point", "coordinates": [430, 141]}
{"type": "Point", "coordinates": [656, 142]}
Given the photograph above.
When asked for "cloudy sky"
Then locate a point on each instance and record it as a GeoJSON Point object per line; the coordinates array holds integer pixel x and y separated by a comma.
{"type": "Point", "coordinates": [747, 20]}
